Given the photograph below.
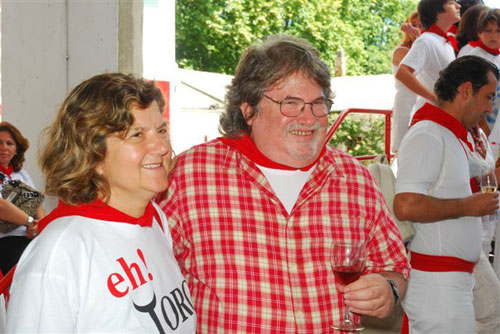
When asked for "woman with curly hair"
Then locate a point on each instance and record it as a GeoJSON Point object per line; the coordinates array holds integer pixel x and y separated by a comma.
{"type": "Point", "coordinates": [103, 261]}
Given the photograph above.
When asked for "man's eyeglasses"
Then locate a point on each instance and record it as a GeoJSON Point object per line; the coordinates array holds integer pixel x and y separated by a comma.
{"type": "Point", "coordinates": [294, 106]}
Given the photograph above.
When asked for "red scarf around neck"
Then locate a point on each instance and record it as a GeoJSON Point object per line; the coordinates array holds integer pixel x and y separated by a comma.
{"type": "Point", "coordinates": [7, 171]}
{"type": "Point", "coordinates": [247, 147]}
{"type": "Point", "coordinates": [449, 38]}
{"type": "Point", "coordinates": [102, 211]}
{"type": "Point", "coordinates": [428, 112]}
{"type": "Point", "coordinates": [480, 44]}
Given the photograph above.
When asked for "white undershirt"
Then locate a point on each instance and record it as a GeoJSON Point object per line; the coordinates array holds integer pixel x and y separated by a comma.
{"type": "Point", "coordinates": [287, 184]}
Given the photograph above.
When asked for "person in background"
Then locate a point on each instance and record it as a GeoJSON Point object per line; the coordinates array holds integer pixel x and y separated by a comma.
{"type": "Point", "coordinates": [486, 291]}
{"type": "Point", "coordinates": [464, 6]}
{"type": "Point", "coordinates": [13, 146]}
{"type": "Point", "coordinates": [431, 52]}
{"type": "Point", "coordinates": [103, 261]}
{"type": "Point", "coordinates": [467, 30]}
{"type": "Point", "coordinates": [433, 190]}
{"type": "Point", "coordinates": [404, 98]}
{"type": "Point", "coordinates": [254, 213]}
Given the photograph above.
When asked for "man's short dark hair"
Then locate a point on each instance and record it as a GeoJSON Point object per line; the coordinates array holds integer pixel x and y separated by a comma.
{"type": "Point", "coordinates": [461, 70]}
{"type": "Point", "coordinates": [263, 65]}
{"type": "Point", "coordinates": [428, 11]}
{"type": "Point", "coordinates": [466, 4]}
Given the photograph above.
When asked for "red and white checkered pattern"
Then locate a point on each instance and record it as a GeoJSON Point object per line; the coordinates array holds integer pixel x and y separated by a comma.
{"type": "Point", "coordinates": [252, 267]}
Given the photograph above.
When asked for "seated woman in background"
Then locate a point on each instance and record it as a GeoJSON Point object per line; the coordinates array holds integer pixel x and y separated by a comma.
{"type": "Point", "coordinates": [103, 261]}
{"type": "Point", "coordinates": [13, 146]}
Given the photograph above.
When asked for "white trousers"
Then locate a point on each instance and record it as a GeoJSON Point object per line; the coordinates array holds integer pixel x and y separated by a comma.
{"type": "Point", "coordinates": [486, 297]}
{"type": "Point", "coordinates": [439, 302]}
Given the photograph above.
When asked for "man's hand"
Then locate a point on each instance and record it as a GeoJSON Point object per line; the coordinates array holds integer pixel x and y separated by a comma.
{"type": "Point", "coordinates": [482, 204]}
{"type": "Point", "coordinates": [370, 295]}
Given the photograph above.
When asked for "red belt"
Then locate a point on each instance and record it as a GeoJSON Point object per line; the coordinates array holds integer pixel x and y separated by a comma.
{"type": "Point", "coordinates": [437, 263]}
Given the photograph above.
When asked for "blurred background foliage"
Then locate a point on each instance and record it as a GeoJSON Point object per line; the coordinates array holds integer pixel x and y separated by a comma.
{"type": "Point", "coordinates": [360, 135]}
{"type": "Point", "coordinates": [211, 34]}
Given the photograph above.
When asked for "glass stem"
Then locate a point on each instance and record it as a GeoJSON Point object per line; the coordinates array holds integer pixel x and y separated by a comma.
{"type": "Point", "coordinates": [347, 318]}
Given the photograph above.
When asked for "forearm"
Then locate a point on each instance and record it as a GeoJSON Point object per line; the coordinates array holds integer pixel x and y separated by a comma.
{"type": "Point", "coordinates": [406, 75]}
{"type": "Point", "coordinates": [11, 213]}
{"type": "Point", "coordinates": [427, 209]}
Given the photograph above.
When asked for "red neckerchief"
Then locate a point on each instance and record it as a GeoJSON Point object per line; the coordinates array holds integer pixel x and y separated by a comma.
{"type": "Point", "coordinates": [102, 211]}
{"type": "Point", "coordinates": [450, 39]}
{"type": "Point", "coordinates": [7, 171]}
{"type": "Point", "coordinates": [428, 112]}
{"type": "Point", "coordinates": [480, 44]}
{"type": "Point", "coordinates": [452, 30]}
{"type": "Point", "coordinates": [247, 147]}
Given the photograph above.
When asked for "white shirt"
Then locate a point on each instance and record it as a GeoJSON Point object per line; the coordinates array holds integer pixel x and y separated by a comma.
{"type": "Point", "coordinates": [433, 162]}
{"type": "Point", "coordinates": [88, 275]}
{"type": "Point", "coordinates": [286, 184]}
{"type": "Point", "coordinates": [429, 54]}
{"type": "Point", "coordinates": [21, 175]}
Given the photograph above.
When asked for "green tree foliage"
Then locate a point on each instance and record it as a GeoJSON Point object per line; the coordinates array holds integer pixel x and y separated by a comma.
{"type": "Point", "coordinates": [211, 34]}
{"type": "Point", "coordinates": [360, 135]}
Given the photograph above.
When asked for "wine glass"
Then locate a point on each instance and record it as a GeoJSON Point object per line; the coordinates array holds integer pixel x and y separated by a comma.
{"type": "Point", "coordinates": [348, 261]}
{"type": "Point", "coordinates": [488, 184]}
{"type": "Point", "coordinates": [488, 181]}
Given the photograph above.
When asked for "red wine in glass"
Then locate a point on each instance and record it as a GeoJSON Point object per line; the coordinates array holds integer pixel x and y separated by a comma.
{"type": "Point", "coordinates": [348, 274]}
{"type": "Point", "coordinates": [348, 261]}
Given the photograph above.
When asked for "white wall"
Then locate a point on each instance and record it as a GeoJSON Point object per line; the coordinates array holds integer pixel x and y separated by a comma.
{"type": "Point", "coordinates": [47, 48]}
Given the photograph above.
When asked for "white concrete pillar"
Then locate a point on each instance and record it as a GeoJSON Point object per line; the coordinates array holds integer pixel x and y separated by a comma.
{"type": "Point", "coordinates": [48, 47]}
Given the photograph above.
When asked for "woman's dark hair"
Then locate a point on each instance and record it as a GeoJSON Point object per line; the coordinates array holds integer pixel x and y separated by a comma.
{"type": "Point", "coordinates": [22, 144]}
{"type": "Point", "coordinates": [467, 29]}
{"type": "Point", "coordinates": [463, 69]}
{"type": "Point", "coordinates": [490, 15]}
{"type": "Point", "coordinates": [466, 4]}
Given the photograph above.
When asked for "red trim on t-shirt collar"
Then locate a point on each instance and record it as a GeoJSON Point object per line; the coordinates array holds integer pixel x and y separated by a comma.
{"type": "Point", "coordinates": [7, 171]}
{"type": "Point", "coordinates": [102, 211]}
{"type": "Point", "coordinates": [429, 112]}
{"type": "Point", "coordinates": [449, 38]}
{"type": "Point", "coordinates": [480, 44]}
{"type": "Point", "coordinates": [247, 147]}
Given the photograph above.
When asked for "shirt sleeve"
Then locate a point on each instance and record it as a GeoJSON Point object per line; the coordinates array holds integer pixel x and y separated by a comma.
{"type": "Point", "coordinates": [419, 163]}
{"type": "Point", "coordinates": [417, 56]}
{"type": "Point", "coordinates": [42, 296]}
{"type": "Point", "coordinates": [385, 248]}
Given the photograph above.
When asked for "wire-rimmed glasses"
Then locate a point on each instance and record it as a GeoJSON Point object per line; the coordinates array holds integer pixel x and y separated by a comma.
{"type": "Point", "coordinates": [294, 106]}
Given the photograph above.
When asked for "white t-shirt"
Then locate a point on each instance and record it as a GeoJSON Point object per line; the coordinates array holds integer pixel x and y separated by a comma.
{"type": "Point", "coordinates": [90, 275]}
{"type": "Point", "coordinates": [21, 175]}
{"type": "Point", "coordinates": [433, 162]}
{"type": "Point", "coordinates": [286, 184]}
{"type": "Point", "coordinates": [429, 54]}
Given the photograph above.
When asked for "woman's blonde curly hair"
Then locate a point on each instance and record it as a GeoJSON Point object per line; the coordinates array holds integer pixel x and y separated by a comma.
{"type": "Point", "coordinates": [75, 141]}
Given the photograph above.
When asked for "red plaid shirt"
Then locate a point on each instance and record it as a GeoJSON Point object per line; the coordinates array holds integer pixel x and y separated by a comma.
{"type": "Point", "coordinates": [252, 267]}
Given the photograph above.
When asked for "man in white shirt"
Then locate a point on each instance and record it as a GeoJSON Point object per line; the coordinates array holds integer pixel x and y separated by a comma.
{"type": "Point", "coordinates": [433, 190]}
{"type": "Point", "coordinates": [431, 52]}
